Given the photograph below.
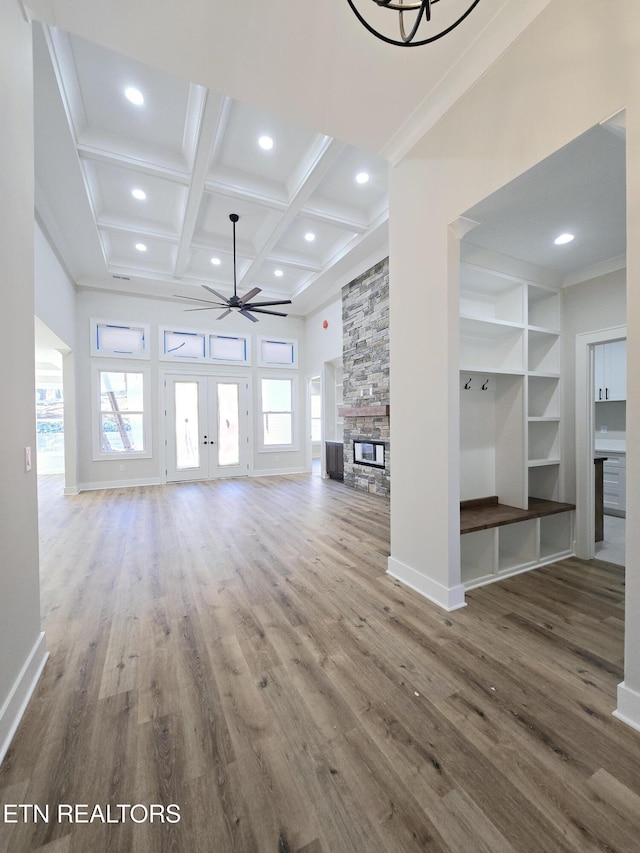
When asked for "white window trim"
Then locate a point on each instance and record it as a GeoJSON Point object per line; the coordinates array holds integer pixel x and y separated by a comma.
{"type": "Point", "coordinates": [167, 356]}
{"type": "Point", "coordinates": [207, 357]}
{"type": "Point", "coordinates": [230, 362]}
{"type": "Point", "coordinates": [119, 367]}
{"type": "Point", "coordinates": [121, 324]}
{"type": "Point", "coordinates": [278, 340]}
{"type": "Point", "coordinates": [295, 430]}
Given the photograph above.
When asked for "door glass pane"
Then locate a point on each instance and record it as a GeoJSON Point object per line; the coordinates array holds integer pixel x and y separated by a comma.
{"type": "Point", "coordinates": [228, 424]}
{"type": "Point", "coordinates": [187, 425]}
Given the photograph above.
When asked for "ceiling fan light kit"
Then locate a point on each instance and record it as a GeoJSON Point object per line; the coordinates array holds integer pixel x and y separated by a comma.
{"type": "Point", "coordinates": [239, 304]}
{"type": "Point", "coordinates": [419, 23]}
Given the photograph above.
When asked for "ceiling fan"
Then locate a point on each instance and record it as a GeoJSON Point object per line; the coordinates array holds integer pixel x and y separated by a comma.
{"type": "Point", "coordinates": [241, 304]}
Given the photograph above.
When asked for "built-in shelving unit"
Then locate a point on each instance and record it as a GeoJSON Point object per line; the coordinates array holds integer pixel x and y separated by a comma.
{"type": "Point", "coordinates": [510, 418]}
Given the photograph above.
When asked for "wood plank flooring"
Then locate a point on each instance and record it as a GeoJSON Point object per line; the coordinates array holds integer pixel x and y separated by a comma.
{"type": "Point", "coordinates": [237, 649]}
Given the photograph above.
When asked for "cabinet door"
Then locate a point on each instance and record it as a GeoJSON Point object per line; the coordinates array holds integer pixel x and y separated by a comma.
{"type": "Point", "coordinates": [615, 482]}
{"type": "Point", "coordinates": [616, 371]}
{"type": "Point", "coordinates": [599, 372]}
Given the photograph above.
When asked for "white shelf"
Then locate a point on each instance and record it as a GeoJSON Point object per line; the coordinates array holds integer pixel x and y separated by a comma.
{"type": "Point", "coordinates": [544, 330]}
{"type": "Point", "coordinates": [478, 555]}
{"type": "Point", "coordinates": [510, 419]}
{"type": "Point", "coordinates": [500, 552]}
{"type": "Point", "coordinates": [543, 397]}
{"type": "Point", "coordinates": [484, 294]}
{"type": "Point", "coordinates": [491, 346]}
{"type": "Point", "coordinates": [543, 307]}
{"type": "Point", "coordinates": [517, 545]}
{"type": "Point", "coordinates": [544, 440]}
{"type": "Point", "coordinates": [543, 351]}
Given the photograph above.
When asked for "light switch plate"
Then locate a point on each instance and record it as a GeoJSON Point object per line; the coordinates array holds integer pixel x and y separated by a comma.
{"type": "Point", "coordinates": [27, 459]}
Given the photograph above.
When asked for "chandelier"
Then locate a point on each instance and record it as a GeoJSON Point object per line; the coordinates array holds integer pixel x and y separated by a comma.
{"type": "Point", "coordinates": [419, 22]}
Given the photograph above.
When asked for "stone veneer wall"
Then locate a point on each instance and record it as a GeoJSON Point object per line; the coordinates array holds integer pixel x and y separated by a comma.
{"type": "Point", "coordinates": [365, 355]}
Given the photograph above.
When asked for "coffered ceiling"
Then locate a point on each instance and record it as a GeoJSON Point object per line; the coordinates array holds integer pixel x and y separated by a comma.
{"type": "Point", "coordinates": [192, 156]}
{"type": "Point", "coordinates": [270, 70]}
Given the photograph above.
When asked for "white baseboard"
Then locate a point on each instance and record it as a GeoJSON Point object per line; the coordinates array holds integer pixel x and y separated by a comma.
{"type": "Point", "coordinates": [628, 710]}
{"type": "Point", "coordinates": [119, 484]}
{"type": "Point", "coordinates": [71, 490]}
{"type": "Point", "coordinates": [449, 598]}
{"type": "Point", "coordinates": [18, 699]}
{"type": "Point", "coordinates": [273, 472]}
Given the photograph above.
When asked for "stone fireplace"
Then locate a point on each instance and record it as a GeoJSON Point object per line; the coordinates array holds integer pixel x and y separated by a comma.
{"type": "Point", "coordinates": [365, 321]}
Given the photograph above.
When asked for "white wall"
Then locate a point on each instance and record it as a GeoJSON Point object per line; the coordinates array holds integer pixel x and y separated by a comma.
{"type": "Point", "coordinates": [22, 649]}
{"type": "Point", "coordinates": [600, 303]}
{"type": "Point", "coordinates": [158, 312]}
{"type": "Point", "coordinates": [517, 114]}
{"type": "Point", "coordinates": [54, 292]}
{"type": "Point", "coordinates": [322, 345]}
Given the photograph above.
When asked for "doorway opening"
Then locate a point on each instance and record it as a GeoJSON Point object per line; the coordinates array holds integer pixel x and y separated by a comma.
{"type": "Point", "coordinates": [315, 414]}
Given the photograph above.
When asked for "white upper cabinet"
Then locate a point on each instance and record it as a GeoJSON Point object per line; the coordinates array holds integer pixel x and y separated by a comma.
{"type": "Point", "coordinates": [610, 372]}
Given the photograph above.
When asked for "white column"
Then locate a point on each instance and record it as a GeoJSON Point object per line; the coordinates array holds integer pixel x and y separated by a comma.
{"type": "Point", "coordinates": [425, 490]}
{"type": "Point", "coordinates": [629, 691]}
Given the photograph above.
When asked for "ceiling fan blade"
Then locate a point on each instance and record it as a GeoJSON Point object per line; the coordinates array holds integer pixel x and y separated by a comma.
{"type": "Point", "coordinates": [264, 311]}
{"type": "Point", "coordinates": [248, 316]}
{"type": "Point", "coordinates": [208, 308]}
{"type": "Point", "coordinates": [215, 293]}
{"type": "Point", "coordinates": [272, 302]}
{"type": "Point", "coordinates": [198, 299]}
{"type": "Point", "coordinates": [254, 292]}
{"type": "Point", "coordinates": [224, 314]}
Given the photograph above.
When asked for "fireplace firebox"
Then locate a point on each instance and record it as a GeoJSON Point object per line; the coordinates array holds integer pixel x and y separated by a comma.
{"type": "Point", "coordinates": [368, 453]}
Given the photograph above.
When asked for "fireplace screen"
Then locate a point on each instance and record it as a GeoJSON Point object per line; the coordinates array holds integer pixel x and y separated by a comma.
{"type": "Point", "coordinates": [369, 453]}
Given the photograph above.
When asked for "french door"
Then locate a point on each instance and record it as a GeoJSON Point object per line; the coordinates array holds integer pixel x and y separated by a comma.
{"type": "Point", "coordinates": [206, 427]}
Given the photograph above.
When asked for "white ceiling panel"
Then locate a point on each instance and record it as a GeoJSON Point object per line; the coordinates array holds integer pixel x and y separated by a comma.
{"type": "Point", "coordinates": [241, 153]}
{"type": "Point", "coordinates": [121, 252]}
{"type": "Point", "coordinates": [291, 280]}
{"type": "Point", "coordinates": [293, 245]}
{"type": "Point", "coordinates": [340, 194]}
{"type": "Point", "coordinates": [103, 77]}
{"type": "Point", "coordinates": [214, 228]}
{"type": "Point", "coordinates": [201, 268]}
{"type": "Point", "coordinates": [111, 189]}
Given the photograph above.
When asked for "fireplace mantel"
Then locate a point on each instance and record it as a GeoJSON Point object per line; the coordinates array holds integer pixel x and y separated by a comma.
{"type": "Point", "coordinates": [380, 411]}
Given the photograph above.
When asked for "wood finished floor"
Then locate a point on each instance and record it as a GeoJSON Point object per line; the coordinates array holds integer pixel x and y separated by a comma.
{"type": "Point", "coordinates": [236, 648]}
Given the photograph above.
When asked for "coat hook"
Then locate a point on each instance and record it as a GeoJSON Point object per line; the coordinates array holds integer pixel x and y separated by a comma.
{"type": "Point", "coordinates": [485, 385]}
{"type": "Point", "coordinates": [467, 384]}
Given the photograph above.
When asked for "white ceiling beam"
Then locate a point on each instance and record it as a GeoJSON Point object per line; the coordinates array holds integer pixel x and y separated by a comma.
{"type": "Point", "coordinates": [213, 123]}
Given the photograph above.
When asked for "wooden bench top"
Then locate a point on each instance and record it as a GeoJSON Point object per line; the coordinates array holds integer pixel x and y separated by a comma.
{"type": "Point", "coordinates": [483, 513]}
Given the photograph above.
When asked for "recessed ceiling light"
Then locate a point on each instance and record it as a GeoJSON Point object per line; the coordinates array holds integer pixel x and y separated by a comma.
{"type": "Point", "coordinates": [134, 95]}
{"type": "Point", "coordinates": [278, 273]}
{"type": "Point", "coordinates": [362, 177]}
{"type": "Point", "coordinates": [309, 237]}
{"type": "Point", "coordinates": [139, 194]}
{"type": "Point", "coordinates": [141, 247]}
{"type": "Point", "coordinates": [266, 143]}
{"type": "Point", "coordinates": [216, 262]}
{"type": "Point", "coordinates": [563, 238]}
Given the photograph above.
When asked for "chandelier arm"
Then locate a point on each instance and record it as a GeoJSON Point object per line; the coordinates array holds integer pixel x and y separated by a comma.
{"type": "Point", "coordinates": [429, 40]}
{"type": "Point", "coordinates": [399, 6]}
{"type": "Point", "coordinates": [425, 9]}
